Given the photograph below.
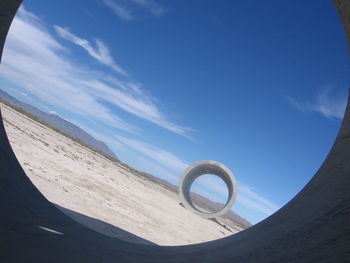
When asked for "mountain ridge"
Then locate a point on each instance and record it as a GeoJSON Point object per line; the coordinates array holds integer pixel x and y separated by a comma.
{"type": "Point", "coordinates": [60, 124]}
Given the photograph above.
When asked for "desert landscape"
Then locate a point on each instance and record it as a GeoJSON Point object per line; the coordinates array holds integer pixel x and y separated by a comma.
{"type": "Point", "coordinates": [103, 194]}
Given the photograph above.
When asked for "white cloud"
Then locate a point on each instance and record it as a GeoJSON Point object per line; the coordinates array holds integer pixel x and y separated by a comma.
{"type": "Point", "coordinates": [132, 102]}
{"type": "Point", "coordinates": [296, 104]}
{"type": "Point", "coordinates": [120, 11]}
{"type": "Point", "coordinates": [256, 207]}
{"type": "Point", "coordinates": [51, 77]}
{"type": "Point", "coordinates": [41, 67]}
{"type": "Point", "coordinates": [158, 171]}
{"type": "Point", "coordinates": [101, 53]}
{"type": "Point", "coordinates": [211, 187]}
{"type": "Point", "coordinates": [216, 189]}
{"type": "Point", "coordinates": [124, 12]}
{"type": "Point", "coordinates": [151, 6]}
{"type": "Point", "coordinates": [328, 104]}
{"type": "Point", "coordinates": [162, 157]}
{"type": "Point", "coordinates": [248, 198]}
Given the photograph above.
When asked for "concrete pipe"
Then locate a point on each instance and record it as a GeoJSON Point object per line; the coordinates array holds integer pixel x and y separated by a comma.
{"type": "Point", "coordinates": [207, 167]}
{"type": "Point", "coordinates": [312, 227]}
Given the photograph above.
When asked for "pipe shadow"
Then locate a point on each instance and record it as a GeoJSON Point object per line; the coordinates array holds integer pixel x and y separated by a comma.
{"type": "Point", "coordinates": [103, 227]}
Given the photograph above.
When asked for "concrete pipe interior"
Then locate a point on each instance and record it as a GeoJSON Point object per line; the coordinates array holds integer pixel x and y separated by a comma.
{"type": "Point", "coordinates": [312, 227]}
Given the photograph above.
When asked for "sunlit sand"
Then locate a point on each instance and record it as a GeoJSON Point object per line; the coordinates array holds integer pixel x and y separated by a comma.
{"type": "Point", "coordinates": [79, 179]}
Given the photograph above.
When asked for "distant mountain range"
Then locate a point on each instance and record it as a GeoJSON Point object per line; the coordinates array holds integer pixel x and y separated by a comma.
{"type": "Point", "coordinates": [60, 124]}
{"type": "Point", "coordinates": [74, 131]}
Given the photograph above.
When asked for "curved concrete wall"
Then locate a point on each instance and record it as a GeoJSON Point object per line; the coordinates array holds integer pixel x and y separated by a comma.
{"type": "Point", "coordinates": [313, 227]}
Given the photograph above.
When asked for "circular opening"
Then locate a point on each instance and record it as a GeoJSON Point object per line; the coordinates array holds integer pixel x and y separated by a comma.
{"type": "Point", "coordinates": [255, 106]}
{"type": "Point", "coordinates": [209, 193]}
{"type": "Point", "coordinates": [197, 170]}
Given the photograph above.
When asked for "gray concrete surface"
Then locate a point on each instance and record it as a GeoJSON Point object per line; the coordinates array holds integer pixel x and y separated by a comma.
{"type": "Point", "coordinates": [313, 227]}
{"type": "Point", "coordinates": [207, 167]}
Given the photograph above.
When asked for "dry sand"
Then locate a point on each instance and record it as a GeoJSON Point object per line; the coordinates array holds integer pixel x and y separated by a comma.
{"type": "Point", "coordinates": [79, 179]}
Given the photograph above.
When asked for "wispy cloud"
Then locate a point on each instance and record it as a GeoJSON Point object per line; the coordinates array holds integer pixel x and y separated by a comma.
{"type": "Point", "coordinates": [38, 67]}
{"type": "Point", "coordinates": [326, 103]}
{"type": "Point", "coordinates": [122, 12]}
{"type": "Point", "coordinates": [151, 6]}
{"type": "Point", "coordinates": [216, 190]}
{"type": "Point", "coordinates": [101, 52]}
{"type": "Point", "coordinates": [211, 187]}
{"type": "Point", "coordinates": [41, 67]}
{"type": "Point", "coordinates": [159, 171]}
{"type": "Point", "coordinates": [52, 112]}
{"type": "Point", "coordinates": [254, 201]}
{"type": "Point", "coordinates": [162, 157]}
{"type": "Point", "coordinates": [140, 106]}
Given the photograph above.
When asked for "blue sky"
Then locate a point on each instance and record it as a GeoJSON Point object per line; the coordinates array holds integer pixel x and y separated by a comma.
{"type": "Point", "coordinates": [259, 86]}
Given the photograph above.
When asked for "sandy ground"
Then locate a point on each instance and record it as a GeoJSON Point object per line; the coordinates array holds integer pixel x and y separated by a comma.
{"type": "Point", "coordinates": [77, 178]}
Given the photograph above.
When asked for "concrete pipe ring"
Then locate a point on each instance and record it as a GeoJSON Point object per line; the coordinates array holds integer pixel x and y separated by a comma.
{"type": "Point", "coordinates": [207, 167]}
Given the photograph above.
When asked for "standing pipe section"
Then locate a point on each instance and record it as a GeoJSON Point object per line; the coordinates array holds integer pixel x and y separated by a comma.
{"type": "Point", "coordinates": [207, 167]}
